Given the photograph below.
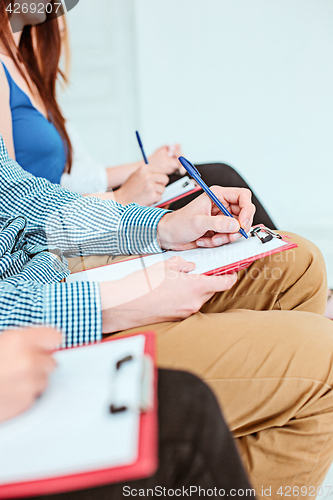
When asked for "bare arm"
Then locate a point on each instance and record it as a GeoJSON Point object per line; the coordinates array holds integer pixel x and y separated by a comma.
{"type": "Point", "coordinates": [6, 125]}
{"type": "Point", "coordinates": [165, 291]}
{"type": "Point", "coordinates": [163, 159]}
{"type": "Point", "coordinates": [119, 175]}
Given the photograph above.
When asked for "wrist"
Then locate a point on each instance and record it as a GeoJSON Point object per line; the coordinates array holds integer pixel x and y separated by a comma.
{"type": "Point", "coordinates": [164, 232]}
{"type": "Point", "coordinates": [116, 315]}
{"type": "Point", "coordinates": [109, 318]}
{"type": "Point", "coordinates": [120, 196]}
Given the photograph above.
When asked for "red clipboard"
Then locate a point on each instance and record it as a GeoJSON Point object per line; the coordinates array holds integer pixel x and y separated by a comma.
{"type": "Point", "coordinates": [180, 197]}
{"type": "Point", "coordinates": [227, 269]}
{"type": "Point", "coordinates": [145, 465]}
{"type": "Point", "coordinates": [243, 264]}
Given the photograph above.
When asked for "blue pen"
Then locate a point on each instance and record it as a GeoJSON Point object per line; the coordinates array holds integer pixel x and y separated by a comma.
{"type": "Point", "coordinates": [197, 177]}
{"type": "Point", "coordinates": [141, 147]}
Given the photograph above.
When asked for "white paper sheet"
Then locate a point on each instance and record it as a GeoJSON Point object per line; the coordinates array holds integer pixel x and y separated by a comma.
{"type": "Point", "coordinates": [206, 259]}
{"type": "Point", "coordinates": [70, 429]}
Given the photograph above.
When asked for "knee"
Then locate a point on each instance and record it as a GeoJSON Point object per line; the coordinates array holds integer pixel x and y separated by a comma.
{"type": "Point", "coordinates": [302, 266]}
{"type": "Point", "coordinates": [305, 258]}
{"type": "Point", "coordinates": [304, 246]}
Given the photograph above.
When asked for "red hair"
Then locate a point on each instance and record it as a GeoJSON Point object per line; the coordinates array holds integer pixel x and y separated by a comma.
{"type": "Point", "coordinates": [39, 51]}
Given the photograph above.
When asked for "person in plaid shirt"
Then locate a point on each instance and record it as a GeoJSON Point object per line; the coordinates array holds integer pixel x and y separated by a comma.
{"type": "Point", "coordinates": [41, 222]}
{"type": "Point", "coordinates": [262, 344]}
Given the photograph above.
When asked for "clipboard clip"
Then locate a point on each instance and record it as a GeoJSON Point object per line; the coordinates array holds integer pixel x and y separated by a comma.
{"type": "Point", "coordinates": [145, 372]}
{"type": "Point", "coordinates": [260, 232]}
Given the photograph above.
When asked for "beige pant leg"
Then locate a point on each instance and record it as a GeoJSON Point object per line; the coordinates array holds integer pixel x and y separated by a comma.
{"type": "Point", "coordinates": [271, 370]}
{"type": "Point", "coordinates": [271, 367]}
{"type": "Point", "coordinates": [272, 373]}
{"type": "Point", "coordinates": [290, 280]}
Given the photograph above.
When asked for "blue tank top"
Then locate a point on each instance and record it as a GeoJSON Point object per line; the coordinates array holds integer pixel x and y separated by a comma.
{"type": "Point", "coordinates": [39, 148]}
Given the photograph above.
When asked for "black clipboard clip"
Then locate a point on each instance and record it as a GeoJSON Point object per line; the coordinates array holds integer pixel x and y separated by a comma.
{"type": "Point", "coordinates": [264, 234]}
{"type": "Point", "coordinates": [145, 400]}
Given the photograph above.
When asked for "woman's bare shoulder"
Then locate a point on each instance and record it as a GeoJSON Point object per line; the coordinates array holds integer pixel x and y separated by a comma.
{"type": "Point", "coordinates": [6, 127]}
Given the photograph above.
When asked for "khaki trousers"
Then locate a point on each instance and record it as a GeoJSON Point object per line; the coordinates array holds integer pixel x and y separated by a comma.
{"type": "Point", "coordinates": [266, 351]}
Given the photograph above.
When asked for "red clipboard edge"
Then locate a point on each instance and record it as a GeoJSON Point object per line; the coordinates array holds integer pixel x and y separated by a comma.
{"type": "Point", "coordinates": [231, 268]}
{"type": "Point", "coordinates": [145, 465]}
{"type": "Point", "coordinates": [238, 266]}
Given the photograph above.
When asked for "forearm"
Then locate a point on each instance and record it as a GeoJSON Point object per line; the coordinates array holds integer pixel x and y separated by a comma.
{"type": "Point", "coordinates": [92, 226]}
{"type": "Point", "coordinates": [59, 219]}
{"type": "Point", "coordinates": [118, 175]}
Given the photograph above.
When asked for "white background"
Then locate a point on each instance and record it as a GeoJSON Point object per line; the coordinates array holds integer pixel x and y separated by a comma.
{"type": "Point", "coordinates": [246, 82]}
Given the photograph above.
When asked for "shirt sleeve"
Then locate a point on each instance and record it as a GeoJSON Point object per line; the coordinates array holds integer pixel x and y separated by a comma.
{"type": "Point", "coordinates": [73, 308]}
{"type": "Point", "coordinates": [76, 225]}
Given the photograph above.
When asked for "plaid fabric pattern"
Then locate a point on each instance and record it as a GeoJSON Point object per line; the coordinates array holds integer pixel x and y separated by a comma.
{"type": "Point", "coordinates": [41, 224]}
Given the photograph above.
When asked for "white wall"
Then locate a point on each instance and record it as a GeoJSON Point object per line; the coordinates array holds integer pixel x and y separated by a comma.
{"type": "Point", "coordinates": [249, 82]}
{"type": "Point", "coordinates": [100, 100]}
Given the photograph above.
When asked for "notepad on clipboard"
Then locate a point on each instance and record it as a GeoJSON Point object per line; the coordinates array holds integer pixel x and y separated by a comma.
{"type": "Point", "coordinates": [70, 439]}
{"type": "Point", "coordinates": [210, 261]}
{"type": "Point", "coordinates": [177, 190]}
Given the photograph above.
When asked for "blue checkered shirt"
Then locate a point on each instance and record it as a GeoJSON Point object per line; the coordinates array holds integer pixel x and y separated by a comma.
{"type": "Point", "coordinates": [41, 224]}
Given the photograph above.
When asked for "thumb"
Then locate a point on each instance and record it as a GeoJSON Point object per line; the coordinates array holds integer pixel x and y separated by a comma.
{"type": "Point", "coordinates": [217, 223]}
{"type": "Point", "coordinates": [180, 265]}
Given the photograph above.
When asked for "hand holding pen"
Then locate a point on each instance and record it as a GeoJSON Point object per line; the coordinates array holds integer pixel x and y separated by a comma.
{"type": "Point", "coordinates": [195, 174]}
{"type": "Point", "coordinates": [200, 223]}
{"type": "Point", "coordinates": [164, 159]}
{"type": "Point", "coordinates": [145, 186]}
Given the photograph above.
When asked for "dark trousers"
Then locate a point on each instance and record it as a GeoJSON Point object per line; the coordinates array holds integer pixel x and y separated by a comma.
{"type": "Point", "coordinates": [223, 175]}
{"type": "Point", "coordinates": [196, 448]}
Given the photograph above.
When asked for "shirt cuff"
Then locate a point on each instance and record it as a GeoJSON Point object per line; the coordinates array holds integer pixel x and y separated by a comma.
{"type": "Point", "coordinates": [75, 309]}
{"type": "Point", "coordinates": [137, 230]}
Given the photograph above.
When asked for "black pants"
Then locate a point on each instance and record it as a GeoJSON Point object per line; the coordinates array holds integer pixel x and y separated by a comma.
{"type": "Point", "coordinates": [223, 175]}
{"type": "Point", "coordinates": [195, 447]}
